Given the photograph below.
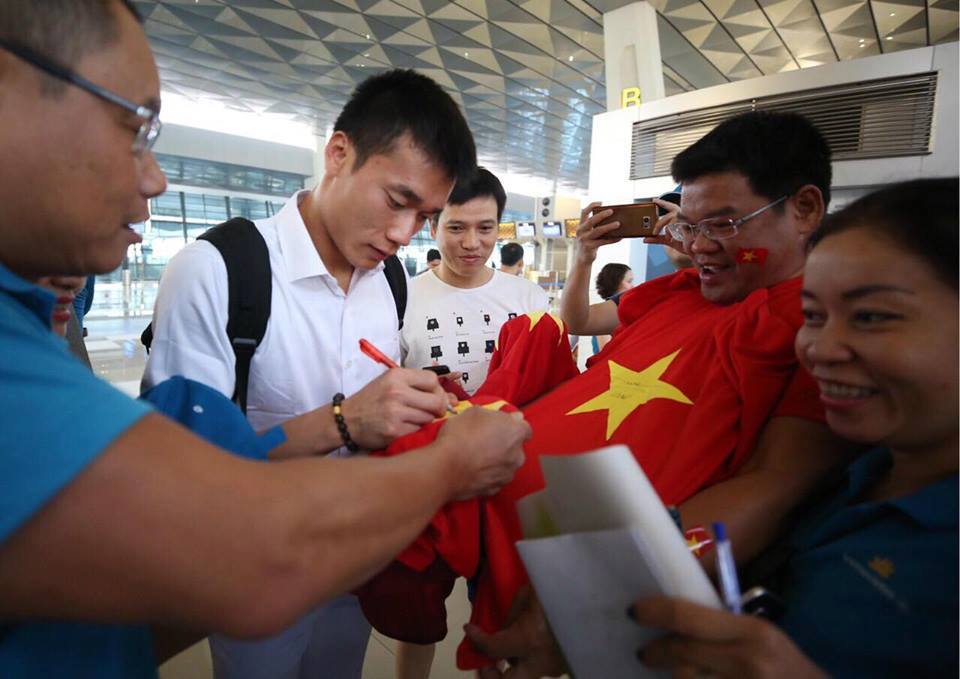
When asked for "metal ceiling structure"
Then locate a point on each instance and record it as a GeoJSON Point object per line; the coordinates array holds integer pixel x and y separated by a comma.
{"type": "Point", "coordinates": [528, 74]}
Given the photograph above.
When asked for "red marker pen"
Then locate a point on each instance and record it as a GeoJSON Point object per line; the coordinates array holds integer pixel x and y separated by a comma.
{"type": "Point", "coordinates": [377, 355]}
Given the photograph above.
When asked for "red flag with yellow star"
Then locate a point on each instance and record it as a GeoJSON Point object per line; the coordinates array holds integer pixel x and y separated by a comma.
{"type": "Point", "coordinates": [686, 384]}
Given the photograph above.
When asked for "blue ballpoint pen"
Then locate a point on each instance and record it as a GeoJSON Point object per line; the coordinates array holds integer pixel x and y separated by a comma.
{"type": "Point", "coordinates": [727, 569]}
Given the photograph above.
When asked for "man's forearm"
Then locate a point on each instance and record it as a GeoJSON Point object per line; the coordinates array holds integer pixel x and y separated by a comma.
{"type": "Point", "coordinates": [208, 541]}
{"type": "Point", "coordinates": [350, 517]}
{"type": "Point", "coordinates": [753, 508]}
{"type": "Point", "coordinates": [313, 433]}
{"type": "Point", "coordinates": [575, 301]}
{"type": "Point", "coordinates": [792, 457]}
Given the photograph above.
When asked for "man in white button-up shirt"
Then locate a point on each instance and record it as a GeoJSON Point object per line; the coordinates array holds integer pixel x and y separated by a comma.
{"type": "Point", "coordinates": [397, 149]}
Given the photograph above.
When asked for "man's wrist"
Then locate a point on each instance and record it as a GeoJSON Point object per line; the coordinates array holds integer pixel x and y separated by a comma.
{"type": "Point", "coordinates": [448, 467]}
{"type": "Point", "coordinates": [341, 423]}
{"type": "Point", "coordinates": [327, 437]}
{"type": "Point", "coordinates": [583, 259]}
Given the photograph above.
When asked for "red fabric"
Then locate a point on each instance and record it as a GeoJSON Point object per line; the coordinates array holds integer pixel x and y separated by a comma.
{"type": "Point", "coordinates": [405, 601]}
{"type": "Point", "coordinates": [532, 357]}
{"type": "Point", "coordinates": [454, 388]}
{"type": "Point", "coordinates": [801, 399]}
{"type": "Point", "coordinates": [699, 381]}
{"type": "Point", "coordinates": [408, 604]}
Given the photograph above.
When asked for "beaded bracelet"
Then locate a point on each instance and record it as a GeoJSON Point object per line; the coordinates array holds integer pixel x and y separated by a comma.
{"type": "Point", "coordinates": [342, 424]}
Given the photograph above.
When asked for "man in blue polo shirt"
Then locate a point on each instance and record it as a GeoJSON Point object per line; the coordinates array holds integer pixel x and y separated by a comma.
{"type": "Point", "coordinates": [112, 518]}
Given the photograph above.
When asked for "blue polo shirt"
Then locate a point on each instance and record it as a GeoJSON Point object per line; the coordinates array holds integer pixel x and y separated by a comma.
{"type": "Point", "coordinates": [56, 417]}
{"type": "Point", "coordinates": [872, 588]}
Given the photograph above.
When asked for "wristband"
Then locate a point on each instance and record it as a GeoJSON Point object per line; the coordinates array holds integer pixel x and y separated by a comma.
{"type": "Point", "coordinates": [699, 541]}
{"type": "Point", "coordinates": [342, 424]}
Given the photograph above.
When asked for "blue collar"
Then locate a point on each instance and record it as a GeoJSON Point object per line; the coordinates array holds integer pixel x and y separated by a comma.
{"type": "Point", "coordinates": [37, 300]}
{"type": "Point", "coordinates": [933, 506]}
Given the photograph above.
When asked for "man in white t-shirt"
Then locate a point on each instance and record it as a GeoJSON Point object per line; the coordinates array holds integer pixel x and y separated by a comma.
{"type": "Point", "coordinates": [455, 311]}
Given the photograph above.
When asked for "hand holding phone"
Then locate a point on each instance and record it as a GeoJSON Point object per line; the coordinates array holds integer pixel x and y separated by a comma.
{"type": "Point", "coordinates": [637, 220]}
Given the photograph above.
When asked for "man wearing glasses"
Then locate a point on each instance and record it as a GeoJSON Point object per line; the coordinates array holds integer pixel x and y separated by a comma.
{"type": "Point", "coordinates": [744, 442]}
{"type": "Point", "coordinates": [114, 521]}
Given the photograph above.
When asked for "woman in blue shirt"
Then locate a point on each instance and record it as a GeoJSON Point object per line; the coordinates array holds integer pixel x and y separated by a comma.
{"type": "Point", "coordinates": [870, 585]}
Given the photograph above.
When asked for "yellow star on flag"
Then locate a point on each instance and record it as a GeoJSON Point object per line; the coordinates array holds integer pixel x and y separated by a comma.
{"type": "Point", "coordinates": [882, 567]}
{"type": "Point", "coordinates": [466, 405]}
{"type": "Point", "coordinates": [534, 318]}
{"type": "Point", "coordinates": [629, 390]}
{"type": "Point", "coordinates": [748, 256]}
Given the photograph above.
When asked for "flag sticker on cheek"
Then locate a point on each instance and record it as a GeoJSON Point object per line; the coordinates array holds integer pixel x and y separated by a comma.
{"type": "Point", "coordinates": [751, 255]}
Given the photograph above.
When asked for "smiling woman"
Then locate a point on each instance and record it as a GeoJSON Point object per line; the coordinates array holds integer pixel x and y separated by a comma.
{"type": "Point", "coordinates": [880, 307]}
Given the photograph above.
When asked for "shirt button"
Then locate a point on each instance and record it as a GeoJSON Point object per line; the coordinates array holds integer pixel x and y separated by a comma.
{"type": "Point", "coordinates": [350, 363]}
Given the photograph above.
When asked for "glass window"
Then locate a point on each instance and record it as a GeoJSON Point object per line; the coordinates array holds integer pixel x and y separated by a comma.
{"type": "Point", "coordinates": [207, 173]}
{"type": "Point", "coordinates": [215, 207]}
{"type": "Point", "coordinates": [194, 229]}
{"type": "Point", "coordinates": [193, 206]}
{"type": "Point", "coordinates": [245, 207]}
{"type": "Point", "coordinates": [166, 204]}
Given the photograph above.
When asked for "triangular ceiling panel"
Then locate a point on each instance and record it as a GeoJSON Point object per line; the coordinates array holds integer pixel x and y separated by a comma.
{"type": "Point", "coordinates": [277, 23]}
{"type": "Point", "coordinates": [529, 73]}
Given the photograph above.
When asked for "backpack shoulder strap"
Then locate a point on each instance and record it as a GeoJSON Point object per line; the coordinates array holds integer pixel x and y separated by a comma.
{"type": "Point", "coordinates": [396, 277]}
{"type": "Point", "coordinates": [250, 286]}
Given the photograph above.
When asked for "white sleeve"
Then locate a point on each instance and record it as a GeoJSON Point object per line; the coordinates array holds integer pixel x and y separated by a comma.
{"type": "Point", "coordinates": [404, 347]}
{"type": "Point", "coordinates": [190, 321]}
{"type": "Point", "coordinates": [539, 299]}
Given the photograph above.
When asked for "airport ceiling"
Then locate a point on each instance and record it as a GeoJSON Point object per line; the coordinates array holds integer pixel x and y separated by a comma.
{"type": "Point", "coordinates": [528, 73]}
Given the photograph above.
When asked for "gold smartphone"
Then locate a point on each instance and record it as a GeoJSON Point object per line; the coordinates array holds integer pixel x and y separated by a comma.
{"type": "Point", "coordinates": [637, 220]}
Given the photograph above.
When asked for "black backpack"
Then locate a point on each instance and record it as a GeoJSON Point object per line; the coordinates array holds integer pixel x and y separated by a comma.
{"type": "Point", "coordinates": [249, 290]}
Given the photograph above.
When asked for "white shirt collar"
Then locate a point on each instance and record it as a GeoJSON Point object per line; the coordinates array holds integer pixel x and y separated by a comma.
{"type": "Point", "coordinates": [300, 256]}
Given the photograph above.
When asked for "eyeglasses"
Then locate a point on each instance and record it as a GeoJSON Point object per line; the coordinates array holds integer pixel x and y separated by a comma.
{"type": "Point", "coordinates": [716, 228]}
{"type": "Point", "coordinates": [149, 129]}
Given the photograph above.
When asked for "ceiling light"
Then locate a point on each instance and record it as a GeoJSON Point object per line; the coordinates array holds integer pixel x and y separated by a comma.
{"type": "Point", "coordinates": [863, 39]}
{"type": "Point", "coordinates": [893, 14]}
{"type": "Point", "coordinates": [210, 114]}
{"type": "Point", "coordinates": [889, 37]}
{"type": "Point", "coordinates": [570, 58]}
{"type": "Point", "coordinates": [368, 35]}
{"type": "Point", "coordinates": [366, 55]}
{"type": "Point", "coordinates": [466, 54]}
{"type": "Point", "coordinates": [862, 46]}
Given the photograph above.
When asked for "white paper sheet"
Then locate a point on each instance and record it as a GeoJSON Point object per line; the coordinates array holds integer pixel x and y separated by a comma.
{"type": "Point", "coordinates": [616, 543]}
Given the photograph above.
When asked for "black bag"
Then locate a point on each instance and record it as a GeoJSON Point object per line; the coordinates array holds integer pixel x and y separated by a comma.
{"type": "Point", "coordinates": [249, 283]}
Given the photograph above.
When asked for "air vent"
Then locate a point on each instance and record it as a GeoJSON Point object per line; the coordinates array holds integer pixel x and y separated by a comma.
{"type": "Point", "coordinates": [872, 119]}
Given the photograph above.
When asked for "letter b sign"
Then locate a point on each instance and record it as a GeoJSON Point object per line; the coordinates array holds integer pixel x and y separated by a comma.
{"type": "Point", "coordinates": [630, 96]}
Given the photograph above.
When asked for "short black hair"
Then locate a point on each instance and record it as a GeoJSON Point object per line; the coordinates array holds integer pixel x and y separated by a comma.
{"type": "Point", "coordinates": [920, 216]}
{"type": "Point", "coordinates": [510, 254]}
{"type": "Point", "coordinates": [62, 30]}
{"type": "Point", "coordinates": [433, 254]}
{"type": "Point", "coordinates": [481, 183]}
{"type": "Point", "coordinates": [610, 278]}
{"type": "Point", "coordinates": [386, 106]}
{"type": "Point", "coordinates": [778, 152]}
